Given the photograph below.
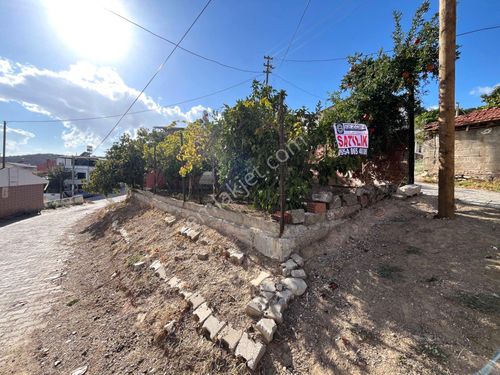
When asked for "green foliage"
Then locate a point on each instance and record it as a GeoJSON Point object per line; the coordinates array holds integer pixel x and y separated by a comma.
{"type": "Point", "coordinates": [194, 153]}
{"type": "Point", "coordinates": [422, 119]}
{"type": "Point", "coordinates": [103, 179]}
{"type": "Point", "coordinates": [493, 99]}
{"type": "Point", "coordinates": [56, 176]}
{"type": "Point", "coordinates": [124, 163]}
{"type": "Point", "coordinates": [247, 142]}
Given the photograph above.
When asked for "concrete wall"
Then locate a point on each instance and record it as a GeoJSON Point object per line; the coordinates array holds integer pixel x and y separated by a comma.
{"type": "Point", "coordinates": [477, 153]}
{"type": "Point", "coordinates": [16, 200]}
{"type": "Point", "coordinates": [259, 233]}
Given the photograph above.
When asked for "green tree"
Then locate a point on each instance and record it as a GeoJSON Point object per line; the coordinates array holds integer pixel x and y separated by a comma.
{"type": "Point", "coordinates": [56, 176]}
{"type": "Point", "coordinates": [127, 160]}
{"type": "Point", "coordinates": [492, 99]}
{"type": "Point", "coordinates": [103, 178]}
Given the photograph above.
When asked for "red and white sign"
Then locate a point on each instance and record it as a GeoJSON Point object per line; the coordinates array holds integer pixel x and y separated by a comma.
{"type": "Point", "coordinates": [352, 139]}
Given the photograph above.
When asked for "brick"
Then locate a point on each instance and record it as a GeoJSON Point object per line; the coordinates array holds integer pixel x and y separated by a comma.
{"type": "Point", "coordinates": [316, 207]}
{"type": "Point", "coordinates": [158, 269]}
{"type": "Point", "coordinates": [202, 312]}
{"type": "Point", "coordinates": [193, 234]}
{"type": "Point", "coordinates": [229, 337]}
{"type": "Point", "coordinates": [287, 217]}
{"type": "Point", "coordinates": [267, 327]}
{"type": "Point", "coordinates": [251, 351]}
{"type": "Point", "coordinates": [212, 326]}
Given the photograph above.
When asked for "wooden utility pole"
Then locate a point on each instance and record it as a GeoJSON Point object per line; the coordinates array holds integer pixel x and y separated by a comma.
{"type": "Point", "coordinates": [411, 135]}
{"type": "Point", "coordinates": [281, 122]}
{"type": "Point", "coordinates": [4, 142]}
{"type": "Point", "coordinates": [447, 56]}
{"type": "Point", "coordinates": [269, 67]}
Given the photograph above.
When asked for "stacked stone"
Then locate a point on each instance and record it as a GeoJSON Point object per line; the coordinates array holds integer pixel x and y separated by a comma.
{"type": "Point", "coordinates": [273, 296]}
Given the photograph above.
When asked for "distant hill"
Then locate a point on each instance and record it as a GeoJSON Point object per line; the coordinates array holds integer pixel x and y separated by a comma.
{"type": "Point", "coordinates": [33, 159]}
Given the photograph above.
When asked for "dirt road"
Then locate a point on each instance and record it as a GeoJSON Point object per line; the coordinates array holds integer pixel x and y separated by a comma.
{"type": "Point", "coordinates": [32, 255]}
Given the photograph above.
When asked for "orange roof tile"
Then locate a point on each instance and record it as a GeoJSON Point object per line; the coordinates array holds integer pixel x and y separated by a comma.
{"type": "Point", "coordinates": [477, 117]}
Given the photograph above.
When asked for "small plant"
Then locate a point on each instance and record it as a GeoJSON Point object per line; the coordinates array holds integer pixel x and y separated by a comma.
{"type": "Point", "coordinates": [133, 259]}
{"type": "Point", "coordinates": [388, 271]}
{"type": "Point", "coordinates": [72, 302]}
{"type": "Point", "coordinates": [432, 350]}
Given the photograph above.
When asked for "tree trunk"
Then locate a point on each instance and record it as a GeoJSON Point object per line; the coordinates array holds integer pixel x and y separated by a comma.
{"type": "Point", "coordinates": [411, 135]}
{"type": "Point", "coordinates": [447, 56]}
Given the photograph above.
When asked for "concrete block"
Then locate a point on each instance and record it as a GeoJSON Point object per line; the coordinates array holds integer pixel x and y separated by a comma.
{"type": "Point", "coordinates": [193, 234]}
{"type": "Point", "coordinates": [297, 259]}
{"type": "Point", "coordinates": [267, 327]}
{"type": "Point", "coordinates": [268, 285]}
{"type": "Point", "coordinates": [312, 218]}
{"type": "Point", "coordinates": [322, 196]}
{"type": "Point", "coordinates": [202, 312]}
{"type": "Point", "coordinates": [251, 351]}
{"type": "Point", "coordinates": [275, 312]}
{"type": "Point", "coordinates": [184, 230]}
{"type": "Point", "coordinates": [336, 202]}
{"type": "Point", "coordinates": [289, 265]}
{"type": "Point", "coordinates": [284, 298]}
{"type": "Point", "coordinates": [229, 337]}
{"type": "Point", "coordinates": [298, 216]}
{"type": "Point", "coordinates": [170, 220]}
{"type": "Point", "coordinates": [236, 256]}
{"type": "Point", "coordinates": [410, 190]}
{"type": "Point", "coordinates": [185, 293]}
{"type": "Point", "coordinates": [139, 265]}
{"type": "Point", "coordinates": [301, 274]}
{"type": "Point", "coordinates": [158, 269]}
{"type": "Point", "coordinates": [196, 300]}
{"type": "Point", "coordinates": [349, 199]}
{"type": "Point", "coordinates": [212, 326]}
{"type": "Point", "coordinates": [258, 280]}
{"type": "Point", "coordinates": [174, 282]}
{"type": "Point", "coordinates": [295, 285]}
{"type": "Point", "coordinates": [256, 307]}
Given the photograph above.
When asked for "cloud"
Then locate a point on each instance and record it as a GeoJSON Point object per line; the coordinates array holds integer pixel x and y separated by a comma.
{"type": "Point", "coordinates": [481, 90]}
{"type": "Point", "coordinates": [17, 137]}
{"type": "Point", "coordinates": [85, 90]}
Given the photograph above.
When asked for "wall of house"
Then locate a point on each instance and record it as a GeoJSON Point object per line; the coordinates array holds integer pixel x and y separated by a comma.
{"type": "Point", "coordinates": [15, 200]}
{"type": "Point", "coordinates": [477, 153]}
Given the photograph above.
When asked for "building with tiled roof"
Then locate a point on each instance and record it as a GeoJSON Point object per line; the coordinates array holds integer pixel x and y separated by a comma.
{"type": "Point", "coordinates": [477, 145]}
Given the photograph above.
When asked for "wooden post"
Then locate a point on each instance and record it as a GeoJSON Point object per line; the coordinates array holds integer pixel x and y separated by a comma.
{"type": "Point", "coordinates": [183, 177]}
{"type": "Point", "coordinates": [281, 122]}
{"type": "Point", "coordinates": [155, 166]}
{"type": "Point", "coordinates": [411, 135]}
{"type": "Point", "coordinates": [447, 56]}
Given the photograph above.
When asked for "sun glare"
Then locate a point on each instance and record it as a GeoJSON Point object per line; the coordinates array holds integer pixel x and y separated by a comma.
{"type": "Point", "coordinates": [87, 28]}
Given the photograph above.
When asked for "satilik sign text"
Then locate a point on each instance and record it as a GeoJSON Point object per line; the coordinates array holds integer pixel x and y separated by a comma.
{"type": "Point", "coordinates": [352, 139]}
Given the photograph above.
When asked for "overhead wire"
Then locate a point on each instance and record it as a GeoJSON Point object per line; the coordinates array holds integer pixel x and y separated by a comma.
{"type": "Point", "coordinates": [135, 112]}
{"type": "Point", "coordinates": [180, 47]}
{"type": "Point", "coordinates": [374, 53]}
{"type": "Point", "coordinates": [155, 74]}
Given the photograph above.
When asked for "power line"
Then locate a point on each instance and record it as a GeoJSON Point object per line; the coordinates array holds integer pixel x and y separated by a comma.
{"type": "Point", "coordinates": [180, 47]}
{"type": "Point", "coordinates": [298, 87]}
{"type": "Point", "coordinates": [295, 33]}
{"type": "Point", "coordinates": [136, 112]}
{"type": "Point", "coordinates": [155, 74]}
{"type": "Point", "coordinates": [374, 53]}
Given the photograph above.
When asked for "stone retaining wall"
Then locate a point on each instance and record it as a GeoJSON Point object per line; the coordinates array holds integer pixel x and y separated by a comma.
{"type": "Point", "coordinates": [260, 233]}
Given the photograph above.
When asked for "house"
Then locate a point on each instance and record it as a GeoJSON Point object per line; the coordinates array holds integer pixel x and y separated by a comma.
{"type": "Point", "coordinates": [79, 166]}
{"type": "Point", "coordinates": [21, 191]}
{"type": "Point", "coordinates": [477, 145]}
{"type": "Point", "coordinates": [28, 167]}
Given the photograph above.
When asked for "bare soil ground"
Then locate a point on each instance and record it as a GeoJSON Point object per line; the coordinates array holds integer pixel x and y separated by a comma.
{"type": "Point", "coordinates": [393, 292]}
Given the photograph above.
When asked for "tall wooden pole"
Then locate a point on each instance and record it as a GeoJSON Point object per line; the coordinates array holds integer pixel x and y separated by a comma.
{"type": "Point", "coordinates": [281, 121]}
{"type": "Point", "coordinates": [447, 56]}
{"type": "Point", "coordinates": [411, 135]}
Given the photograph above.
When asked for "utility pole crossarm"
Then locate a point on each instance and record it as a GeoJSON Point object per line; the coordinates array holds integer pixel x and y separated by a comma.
{"type": "Point", "coordinates": [269, 68]}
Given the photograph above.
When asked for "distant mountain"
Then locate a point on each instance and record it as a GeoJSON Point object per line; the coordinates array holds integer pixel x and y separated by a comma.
{"type": "Point", "coordinates": [33, 159]}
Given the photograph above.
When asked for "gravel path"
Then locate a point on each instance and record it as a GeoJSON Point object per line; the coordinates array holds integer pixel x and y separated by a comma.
{"type": "Point", "coordinates": [32, 255]}
{"type": "Point", "coordinates": [471, 196]}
